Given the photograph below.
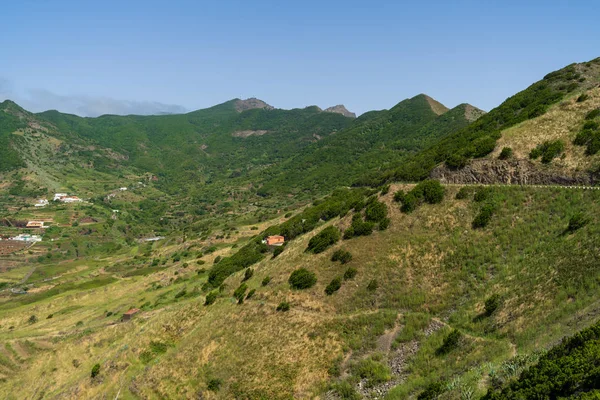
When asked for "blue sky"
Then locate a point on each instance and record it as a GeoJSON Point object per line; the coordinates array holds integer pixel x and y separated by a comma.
{"type": "Point", "coordinates": [90, 57]}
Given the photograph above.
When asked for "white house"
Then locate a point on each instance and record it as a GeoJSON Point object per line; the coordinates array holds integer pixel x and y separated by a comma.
{"type": "Point", "coordinates": [122, 189]}
{"type": "Point", "coordinates": [41, 203]}
{"type": "Point", "coordinates": [59, 196]}
{"type": "Point", "coordinates": [25, 237]}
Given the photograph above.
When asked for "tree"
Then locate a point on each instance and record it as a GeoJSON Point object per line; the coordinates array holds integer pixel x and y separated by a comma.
{"type": "Point", "coordinates": [334, 286]}
{"type": "Point", "coordinates": [95, 371]}
{"type": "Point", "coordinates": [302, 279]}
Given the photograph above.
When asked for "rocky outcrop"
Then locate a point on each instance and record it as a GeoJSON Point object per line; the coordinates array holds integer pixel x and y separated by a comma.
{"type": "Point", "coordinates": [472, 113]}
{"type": "Point", "coordinates": [250, 104]}
{"type": "Point", "coordinates": [340, 109]}
{"type": "Point", "coordinates": [512, 172]}
{"type": "Point", "coordinates": [245, 134]}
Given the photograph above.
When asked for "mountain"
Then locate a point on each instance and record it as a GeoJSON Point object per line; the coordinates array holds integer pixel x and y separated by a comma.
{"type": "Point", "coordinates": [251, 104]}
{"type": "Point", "coordinates": [340, 109]}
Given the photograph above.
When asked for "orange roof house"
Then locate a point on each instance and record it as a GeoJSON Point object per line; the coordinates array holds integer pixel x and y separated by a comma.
{"type": "Point", "coordinates": [275, 240]}
{"type": "Point", "coordinates": [127, 316]}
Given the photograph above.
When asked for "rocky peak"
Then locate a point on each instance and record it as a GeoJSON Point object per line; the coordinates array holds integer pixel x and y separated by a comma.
{"type": "Point", "coordinates": [250, 104]}
{"type": "Point", "coordinates": [340, 109]}
{"type": "Point", "coordinates": [472, 113]}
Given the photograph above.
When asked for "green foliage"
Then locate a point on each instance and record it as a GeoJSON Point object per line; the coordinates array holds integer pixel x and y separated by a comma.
{"type": "Point", "coordinates": [373, 371]}
{"type": "Point", "coordinates": [342, 256]}
{"type": "Point", "coordinates": [506, 153]}
{"type": "Point", "coordinates": [463, 193]}
{"type": "Point", "coordinates": [385, 190]}
{"type": "Point", "coordinates": [240, 293]}
{"type": "Point", "coordinates": [482, 194]}
{"type": "Point", "coordinates": [266, 281]}
{"type": "Point", "coordinates": [248, 274]}
{"type": "Point", "coordinates": [210, 298]}
{"type": "Point", "coordinates": [95, 371]}
{"type": "Point", "coordinates": [567, 370]}
{"type": "Point", "coordinates": [372, 285]}
{"type": "Point", "coordinates": [345, 390]}
{"type": "Point", "coordinates": [485, 215]}
{"type": "Point", "coordinates": [324, 239]}
{"type": "Point", "coordinates": [358, 227]}
{"type": "Point", "coordinates": [491, 304]}
{"type": "Point", "coordinates": [399, 196]}
{"type": "Point", "coordinates": [451, 342]}
{"type": "Point", "coordinates": [278, 250]}
{"type": "Point", "coordinates": [577, 221]}
{"type": "Point", "coordinates": [583, 98]}
{"type": "Point", "coordinates": [246, 256]}
{"type": "Point", "coordinates": [432, 391]}
{"type": "Point", "coordinates": [350, 273]}
{"type": "Point", "coordinates": [32, 320]}
{"type": "Point", "coordinates": [283, 306]}
{"type": "Point", "coordinates": [333, 286]}
{"type": "Point", "coordinates": [589, 136]}
{"type": "Point", "coordinates": [302, 279]}
{"type": "Point", "coordinates": [214, 384]}
{"type": "Point", "coordinates": [548, 150]}
{"type": "Point", "coordinates": [375, 211]}
{"type": "Point", "coordinates": [429, 191]}
{"type": "Point", "coordinates": [593, 114]}
{"type": "Point", "coordinates": [250, 294]}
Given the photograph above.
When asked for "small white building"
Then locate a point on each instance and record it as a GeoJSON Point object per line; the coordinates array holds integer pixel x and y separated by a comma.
{"type": "Point", "coordinates": [25, 237]}
{"type": "Point", "coordinates": [71, 199]}
{"type": "Point", "coordinates": [122, 189]}
{"type": "Point", "coordinates": [41, 203]}
{"type": "Point", "coordinates": [59, 196]}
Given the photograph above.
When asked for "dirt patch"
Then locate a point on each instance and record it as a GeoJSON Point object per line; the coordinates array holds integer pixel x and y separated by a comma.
{"type": "Point", "coordinates": [245, 134]}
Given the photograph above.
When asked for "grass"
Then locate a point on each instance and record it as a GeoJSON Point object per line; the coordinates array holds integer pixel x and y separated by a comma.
{"type": "Point", "coordinates": [432, 269]}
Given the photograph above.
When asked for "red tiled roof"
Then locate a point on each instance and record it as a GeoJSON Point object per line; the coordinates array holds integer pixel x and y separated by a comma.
{"type": "Point", "coordinates": [132, 311]}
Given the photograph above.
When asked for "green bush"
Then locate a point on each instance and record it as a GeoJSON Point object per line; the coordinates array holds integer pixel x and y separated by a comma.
{"type": "Point", "coordinates": [483, 218]}
{"type": "Point", "coordinates": [327, 237]}
{"type": "Point", "coordinates": [589, 136]}
{"type": "Point", "coordinates": [250, 294]}
{"type": "Point", "coordinates": [577, 221]}
{"type": "Point", "coordinates": [350, 273]}
{"type": "Point", "coordinates": [593, 114]}
{"type": "Point", "coordinates": [506, 153]}
{"type": "Point", "coordinates": [181, 293]}
{"type": "Point", "coordinates": [410, 203]}
{"type": "Point", "coordinates": [399, 196]}
{"type": "Point", "coordinates": [334, 286]}
{"type": "Point", "coordinates": [345, 390]}
{"type": "Point", "coordinates": [210, 298]}
{"type": "Point", "coordinates": [302, 279]}
{"type": "Point", "coordinates": [384, 224]}
{"type": "Point", "coordinates": [95, 370]}
{"type": "Point", "coordinates": [372, 285]}
{"type": "Point", "coordinates": [283, 306]}
{"type": "Point", "coordinates": [482, 194]}
{"type": "Point", "coordinates": [372, 371]}
{"type": "Point", "coordinates": [278, 250]}
{"type": "Point", "coordinates": [342, 256]}
{"type": "Point", "coordinates": [266, 280]}
{"type": "Point", "coordinates": [385, 190]}
{"type": "Point", "coordinates": [429, 191]}
{"type": "Point", "coordinates": [358, 227]}
{"type": "Point", "coordinates": [248, 274]}
{"type": "Point", "coordinates": [432, 391]}
{"type": "Point", "coordinates": [214, 384]}
{"type": "Point", "coordinates": [240, 293]}
{"type": "Point", "coordinates": [491, 304]}
{"type": "Point", "coordinates": [450, 343]}
{"type": "Point", "coordinates": [463, 193]}
{"type": "Point", "coordinates": [375, 211]}
{"type": "Point", "coordinates": [217, 259]}
{"type": "Point", "coordinates": [583, 98]}
{"type": "Point", "coordinates": [548, 150]}
{"type": "Point", "coordinates": [33, 319]}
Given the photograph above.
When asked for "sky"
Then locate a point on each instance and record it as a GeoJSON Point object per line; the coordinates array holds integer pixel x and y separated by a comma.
{"type": "Point", "coordinates": [146, 57]}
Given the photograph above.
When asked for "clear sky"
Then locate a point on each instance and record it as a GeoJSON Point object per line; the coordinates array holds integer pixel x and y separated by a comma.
{"type": "Point", "coordinates": [90, 57]}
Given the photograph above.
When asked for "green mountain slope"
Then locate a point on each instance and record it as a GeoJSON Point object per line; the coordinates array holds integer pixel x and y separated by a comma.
{"type": "Point", "coordinates": [479, 139]}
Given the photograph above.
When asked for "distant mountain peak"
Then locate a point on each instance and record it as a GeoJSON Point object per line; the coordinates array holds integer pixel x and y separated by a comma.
{"type": "Point", "coordinates": [472, 113]}
{"type": "Point", "coordinates": [340, 109]}
{"type": "Point", "coordinates": [435, 105]}
{"type": "Point", "coordinates": [250, 104]}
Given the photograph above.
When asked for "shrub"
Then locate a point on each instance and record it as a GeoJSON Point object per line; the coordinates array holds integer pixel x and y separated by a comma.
{"type": "Point", "coordinates": [384, 224]}
{"type": "Point", "coordinates": [342, 256]}
{"type": "Point", "coordinates": [491, 304]}
{"type": "Point", "coordinates": [373, 371]}
{"type": "Point", "coordinates": [95, 370]}
{"type": "Point", "coordinates": [302, 279]}
{"type": "Point", "coordinates": [358, 228]}
{"type": "Point", "coordinates": [577, 221]}
{"type": "Point", "coordinates": [593, 114]}
{"type": "Point", "coordinates": [210, 298]}
{"type": "Point", "coordinates": [583, 98]}
{"type": "Point", "coordinates": [429, 191]}
{"type": "Point", "coordinates": [250, 294]}
{"type": "Point", "coordinates": [283, 306]}
{"type": "Point", "coordinates": [50, 316]}
{"type": "Point", "coordinates": [463, 193]}
{"type": "Point", "coordinates": [334, 286]}
{"type": "Point", "coordinates": [385, 190]}
{"type": "Point", "coordinates": [266, 280]}
{"type": "Point", "coordinates": [506, 153]}
{"type": "Point", "coordinates": [483, 218]}
{"type": "Point", "coordinates": [410, 203]}
{"type": "Point", "coordinates": [432, 391]}
{"type": "Point", "coordinates": [248, 274]}
{"type": "Point", "coordinates": [372, 285]}
{"type": "Point", "coordinates": [547, 150]}
{"type": "Point", "coordinates": [323, 240]}
{"type": "Point", "coordinates": [482, 194]}
{"type": "Point", "coordinates": [457, 161]}
{"type": "Point", "coordinates": [33, 319]}
{"type": "Point", "coordinates": [217, 259]}
{"type": "Point", "coordinates": [345, 390]}
{"type": "Point", "coordinates": [450, 343]}
{"type": "Point", "coordinates": [399, 196]}
{"type": "Point", "coordinates": [181, 293]}
{"type": "Point", "coordinates": [375, 211]}
{"type": "Point", "coordinates": [214, 384]}
{"type": "Point", "coordinates": [278, 251]}
{"type": "Point", "coordinates": [240, 293]}
{"type": "Point", "coordinates": [350, 273]}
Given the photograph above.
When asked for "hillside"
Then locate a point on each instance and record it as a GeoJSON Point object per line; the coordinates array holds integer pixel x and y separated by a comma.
{"type": "Point", "coordinates": [428, 273]}
{"type": "Point", "coordinates": [477, 140]}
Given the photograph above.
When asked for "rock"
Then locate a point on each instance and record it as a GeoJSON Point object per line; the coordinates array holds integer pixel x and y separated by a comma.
{"type": "Point", "coordinates": [250, 104]}
{"type": "Point", "coordinates": [340, 109]}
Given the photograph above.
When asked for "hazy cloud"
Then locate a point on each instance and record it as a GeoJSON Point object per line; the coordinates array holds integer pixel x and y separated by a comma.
{"type": "Point", "coordinates": [37, 100]}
